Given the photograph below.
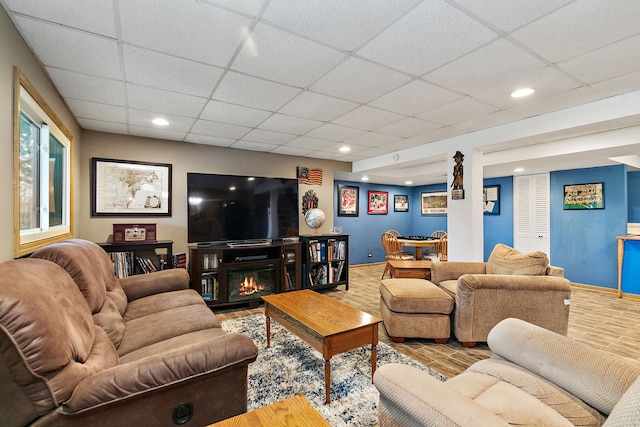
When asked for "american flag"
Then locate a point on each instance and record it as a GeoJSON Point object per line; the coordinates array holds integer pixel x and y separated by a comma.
{"type": "Point", "coordinates": [309, 176]}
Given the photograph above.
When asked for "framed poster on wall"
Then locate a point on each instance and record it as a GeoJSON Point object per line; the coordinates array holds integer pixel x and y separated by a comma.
{"type": "Point", "coordinates": [584, 196]}
{"type": "Point", "coordinates": [491, 199]}
{"type": "Point", "coordinates": [433, 203]}
{"type": "Point", "coordinates": [348, 200]}
{"type": "Point", "coordinates": [378, 202]}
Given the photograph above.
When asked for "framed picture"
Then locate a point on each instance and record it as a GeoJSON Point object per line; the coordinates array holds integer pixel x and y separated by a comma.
{"type": "Point", "coordinates": [378, 202]}
{"type": "Point", "coordinates": [491, 200]}
{"type": "Point", "coordinates": [348, 200]}
{"type": "Point", "coordinates": [584, 196]}
{"type": "Point", "coordinates": [433, 203]}
{"type": "Point", "coordinates": [128, 188]}
{"type": "Point", "coordinates": [400, 203]}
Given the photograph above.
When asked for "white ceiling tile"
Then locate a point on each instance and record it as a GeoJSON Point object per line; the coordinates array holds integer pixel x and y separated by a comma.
{"type": "Point", "coordinates": [220, 130]}
{"type": "Point", "coordinates": [248, 7]}
{"type": "Point", "coordinates": [519, 12]}
{"type": "Point", "coordinates": [253, 146]}
{"type": "Point", "coordinates": [290, 151]}
{"type": "Point", "coordinates": [88, 88]}
{"type": "Point", "coordinates": [414, 98]}
{"type": "Point", "coordinates": [283, 57]}
{"type": "Point", "coordinates": [595, 66]}
{"type": "Point", "coordinates": [92, 16]}
{"type": "Point", "coordinates": [193, 30]}
{"type": "Point", "coordinates": [431, 35]}
{"type": "Point", "coordinates": [253, 92]}
{"type": "Point", "coordinates": [102, 126]}
{"type": "Point", "coordinates": [618, 85]}
{"type": "Point", "coordinates": [334, 132]}
{"type": "Point", "coordinates": [209, 140]}
{"type": "Point", "coordinates": [144, 118]}
{"type": "Point", "coordinates": [156, 133]}
{"type": "Point", "coordinates": [496, 63]}
{"type": "Point", "coordinates": [317, 106]}
{"type": "Point", "coordinates": [408, 127]}
{"type": "Point", "coordinates": [233, 114]}
{"type": "Point", "coordinates": [72, 49]}
{"type": "Point", "coordinates": [93, 110]}
{"type": "Point", "coordinates": [372, 139]}
{"type": "Point", "coordinates": [167, 72]}
{"type": "Point", "coordinates": [367, 118]}
{"type": "Point", "coordinates": [460, 110]}
{"type": "Point", "coordinates": [268, 137]}
{"type": "Point", "coordinates": [146, 98]}
{"type": "Point", "coordinates": [580, 27]}
{"type": "Point", "coordinates": [488, 120]}
{"type": "Point", "coordinates": [305, 142]}
{"type": "Point", "coordinates": [559, 101]}
{"type": "Point", "coordinates": [345, 24]}
{"type": "Point", "coordinates": [360, 81]}
{"type": "Point", "coordinates": [546, 81]}
{"type": "Point", "coordinates": [289, 124]}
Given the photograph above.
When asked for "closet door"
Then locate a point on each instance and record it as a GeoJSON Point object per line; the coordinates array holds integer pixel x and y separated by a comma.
{"type": "Point", "coordinates": [531, 213]}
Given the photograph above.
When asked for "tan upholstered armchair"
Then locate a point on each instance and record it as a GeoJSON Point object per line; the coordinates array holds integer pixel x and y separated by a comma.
{"type": "Point", "coordinates": [510, 284]}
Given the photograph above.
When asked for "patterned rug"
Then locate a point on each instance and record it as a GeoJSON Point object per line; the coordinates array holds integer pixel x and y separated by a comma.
{"type": "Point", "coordinates": [290, 366]}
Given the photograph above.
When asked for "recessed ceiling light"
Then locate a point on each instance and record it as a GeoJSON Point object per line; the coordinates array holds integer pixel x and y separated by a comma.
{"type": "Point", "coordinates": [522, 92]}
{"type": "Point", "coordinates": [364, 178]}
{"type": "Point", "coordinates": [518, 170]}
{"type": "Point", "coordinates": [408, 182]}
{"type": "Point", "coordinates": [345, 149]}
{"type": "Point", "coordinates": [160, 122]}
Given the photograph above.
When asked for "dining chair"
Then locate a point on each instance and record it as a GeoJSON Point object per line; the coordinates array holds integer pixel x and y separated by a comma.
{"type": "Point", "coordinates": [397, 234]}
{"type": "Point", "coordinates": [433, 250]}
{"type": "Point", "coordinates": [442, 248]}
{"type": "Point", "coordinates": [392, 250]}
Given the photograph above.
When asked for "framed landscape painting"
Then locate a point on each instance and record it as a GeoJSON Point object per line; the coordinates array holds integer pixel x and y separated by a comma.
{"type": "Point", "coordinates": [433, 203]}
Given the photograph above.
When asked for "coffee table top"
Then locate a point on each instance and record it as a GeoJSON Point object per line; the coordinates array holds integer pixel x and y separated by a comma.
{"type": "Point", "coordinates": [324, 315]}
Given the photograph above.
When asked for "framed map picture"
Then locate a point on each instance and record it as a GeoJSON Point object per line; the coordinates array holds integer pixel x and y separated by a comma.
{"type": "Point", "coordinates": [128, 188]}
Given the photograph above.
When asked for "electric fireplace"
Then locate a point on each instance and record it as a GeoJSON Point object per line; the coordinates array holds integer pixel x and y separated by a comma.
{"type": "Point", "coordinates": [248, 281]}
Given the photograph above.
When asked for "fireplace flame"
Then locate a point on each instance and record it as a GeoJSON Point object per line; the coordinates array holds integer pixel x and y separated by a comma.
{"type": "Point", "coordinates": [249, 286]}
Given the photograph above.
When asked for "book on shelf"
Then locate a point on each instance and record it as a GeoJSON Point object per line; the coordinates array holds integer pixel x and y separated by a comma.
{"type": "Point", "coordinates": [180, 260]}
{"type": "Point", "coordinates": [146, 265]}
{"type": "Point", "coordinates": [123, 263]}
{"type": "Point", "coordinates": [209, 290]}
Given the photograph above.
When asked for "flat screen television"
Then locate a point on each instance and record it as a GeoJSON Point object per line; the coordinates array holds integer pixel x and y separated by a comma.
{"type": "Point", "coordinates": [240, 208]}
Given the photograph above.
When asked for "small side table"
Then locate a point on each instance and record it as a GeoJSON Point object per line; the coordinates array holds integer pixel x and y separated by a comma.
{"type": "Point", "coordinates": [294, 411]}
{"type": "Point", "coordinates": [410, 269]}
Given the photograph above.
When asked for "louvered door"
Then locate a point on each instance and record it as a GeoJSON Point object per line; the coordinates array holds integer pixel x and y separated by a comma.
{"type": "Point", "coordinates": [531, 213]}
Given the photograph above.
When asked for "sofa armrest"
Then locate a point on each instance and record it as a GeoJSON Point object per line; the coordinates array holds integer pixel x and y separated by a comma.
{"type": "Point", "coordinates": [595, 377]}
{"type": "Point", "coordinates": [142, 376]}
{"type": "Point", "coordinates": [143, 285]}
{"type": "Point", "coordinates": [409, 396]}
{"type": "Point", "coordinates": [452, 270]}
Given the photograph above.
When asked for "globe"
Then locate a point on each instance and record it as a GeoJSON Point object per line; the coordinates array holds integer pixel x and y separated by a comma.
{"type": "Point", "coordinates": [315, 218]}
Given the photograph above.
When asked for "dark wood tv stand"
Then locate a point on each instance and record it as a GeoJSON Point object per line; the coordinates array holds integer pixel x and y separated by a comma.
{"type": "Point", "coordinates": [220, 272]}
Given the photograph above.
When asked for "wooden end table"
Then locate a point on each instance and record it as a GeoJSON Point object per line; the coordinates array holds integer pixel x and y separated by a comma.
{"type": "Point", "coordinates": [328, 325]}
{"type": "Point", "coordinates": [412, 269]}
{"type": "Point", "coordinates": [294, 411]}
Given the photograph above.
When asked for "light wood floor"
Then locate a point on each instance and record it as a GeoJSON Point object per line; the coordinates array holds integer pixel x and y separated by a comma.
{"type": "Point", "coordinates": [599, 319]}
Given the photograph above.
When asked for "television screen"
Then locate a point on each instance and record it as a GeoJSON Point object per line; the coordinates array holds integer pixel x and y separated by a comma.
{"type": "Point", "coordinates": [240, 208]}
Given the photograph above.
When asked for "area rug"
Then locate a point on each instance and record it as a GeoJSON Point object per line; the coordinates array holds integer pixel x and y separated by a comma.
{"type": "Point", "coordinates": [291, 366]}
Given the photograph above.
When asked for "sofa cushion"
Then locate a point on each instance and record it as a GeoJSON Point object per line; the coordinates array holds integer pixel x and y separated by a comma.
{"type": "Point", "coordinates": [506, 260]}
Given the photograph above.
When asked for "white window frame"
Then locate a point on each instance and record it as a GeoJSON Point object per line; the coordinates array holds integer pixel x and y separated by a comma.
{"type": "Point", "coordinates": [29, 102]}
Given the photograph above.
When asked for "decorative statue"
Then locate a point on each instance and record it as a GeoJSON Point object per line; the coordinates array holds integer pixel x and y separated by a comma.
{"type": "Point", "coordinates": [458, 171]}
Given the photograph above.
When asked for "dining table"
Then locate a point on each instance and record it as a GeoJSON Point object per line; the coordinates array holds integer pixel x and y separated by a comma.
{"type": "Point", "coordinates": [419, 242]}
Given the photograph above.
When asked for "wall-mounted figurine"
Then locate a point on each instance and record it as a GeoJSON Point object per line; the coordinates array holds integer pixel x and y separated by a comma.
{"type": "Point", "coordinates": [309, 201]}
{"type": "Point", "coordinates": [458, 174]}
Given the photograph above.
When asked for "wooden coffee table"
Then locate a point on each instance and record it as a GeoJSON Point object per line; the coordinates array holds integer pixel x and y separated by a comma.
{"type": "Point", "coordinates": [328, 325]}
{"type": "Point", "coordinates": [294, 411]}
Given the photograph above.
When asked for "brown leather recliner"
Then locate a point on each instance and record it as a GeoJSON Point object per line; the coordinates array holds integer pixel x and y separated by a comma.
{"type": "Point", "coordinates": [79, 347]}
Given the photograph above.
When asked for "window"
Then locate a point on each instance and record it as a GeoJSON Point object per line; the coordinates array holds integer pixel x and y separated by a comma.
{"type": "Point", "coordinates": [42, 172]}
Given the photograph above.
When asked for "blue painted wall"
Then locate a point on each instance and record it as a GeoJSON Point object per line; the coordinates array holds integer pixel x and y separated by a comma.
{"type": "Point", "coordinates": [584, 241]}
{"type": "Point", "coordinates": [499, 228]}
{"type": "Point", "coordinates": [633, 185]}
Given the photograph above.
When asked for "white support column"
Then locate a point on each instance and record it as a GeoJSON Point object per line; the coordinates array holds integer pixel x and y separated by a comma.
{"type": "Point", "coordinates": [465, 222]}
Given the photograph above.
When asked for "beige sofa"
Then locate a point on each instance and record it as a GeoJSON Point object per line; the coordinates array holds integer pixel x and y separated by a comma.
{"type": "Point", "coordinates": [535, 378]}
{"type": "Point", "coordinates": [79, 347]}
{"type": "Point", "coordinates": [509, 284]}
